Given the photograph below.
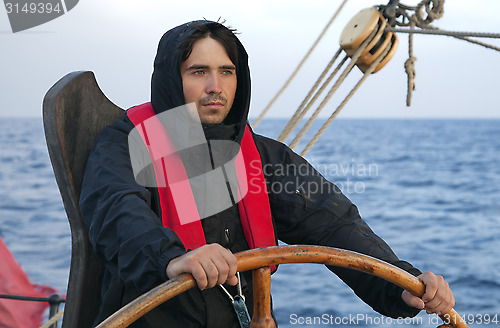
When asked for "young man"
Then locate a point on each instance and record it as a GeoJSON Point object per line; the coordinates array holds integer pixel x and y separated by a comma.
{"type": "Point", "coordinates": [142, 239]}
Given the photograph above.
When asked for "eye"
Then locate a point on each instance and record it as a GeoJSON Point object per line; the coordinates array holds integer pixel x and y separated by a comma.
{"type": "Point", "coordinates": [228, 72]}
{"type": "Point", "coordinates": [198, 72]}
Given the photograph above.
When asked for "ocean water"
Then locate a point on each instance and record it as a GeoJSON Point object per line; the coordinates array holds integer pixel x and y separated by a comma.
{"type": "Point", "coordinates": [430, 188]}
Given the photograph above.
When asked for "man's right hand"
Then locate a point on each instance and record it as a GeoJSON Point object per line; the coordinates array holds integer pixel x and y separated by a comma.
{"type": "Point", "coordinates": [210, 265]}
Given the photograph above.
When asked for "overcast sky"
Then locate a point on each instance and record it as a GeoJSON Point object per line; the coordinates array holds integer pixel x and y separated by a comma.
{"type": "Point", "coordinates": [117, 39]}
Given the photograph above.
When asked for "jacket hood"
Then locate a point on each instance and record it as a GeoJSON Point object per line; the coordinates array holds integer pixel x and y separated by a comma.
{"type": "Point", "coordinates": [166, 82]}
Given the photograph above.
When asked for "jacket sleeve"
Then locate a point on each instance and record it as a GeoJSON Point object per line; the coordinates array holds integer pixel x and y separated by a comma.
{"type": "Point", "coordinates": [126, 234]}
{"type": "Point", "coordinates": [308, 209]}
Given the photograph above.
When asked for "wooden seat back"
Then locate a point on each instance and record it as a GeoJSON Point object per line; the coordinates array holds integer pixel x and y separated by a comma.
{"type": "Point", "coordinates": [74, 112]}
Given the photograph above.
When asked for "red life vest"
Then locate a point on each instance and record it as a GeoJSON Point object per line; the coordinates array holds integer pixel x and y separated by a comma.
{"type": "Point", "coordinates": [254, 208]}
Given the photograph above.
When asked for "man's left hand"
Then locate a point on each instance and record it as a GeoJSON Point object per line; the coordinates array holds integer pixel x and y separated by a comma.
{"type": "Point", "coordinates": [437, 298]}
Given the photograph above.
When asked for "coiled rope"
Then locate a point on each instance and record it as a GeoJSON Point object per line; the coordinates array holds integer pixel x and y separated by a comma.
{"type": "Point", "coordinates": [434, 10]}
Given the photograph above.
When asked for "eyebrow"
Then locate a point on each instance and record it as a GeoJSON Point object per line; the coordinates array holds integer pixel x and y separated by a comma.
{"type": "Point", "coordinates": [195, 67]}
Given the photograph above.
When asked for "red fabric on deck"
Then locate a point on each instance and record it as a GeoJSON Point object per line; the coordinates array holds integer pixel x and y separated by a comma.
{"type": "Point", "coordinates": [14, 281]}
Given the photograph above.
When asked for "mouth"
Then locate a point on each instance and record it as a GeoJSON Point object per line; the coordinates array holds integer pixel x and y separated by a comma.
{"type": "Point", "coordinates": [213, 104]}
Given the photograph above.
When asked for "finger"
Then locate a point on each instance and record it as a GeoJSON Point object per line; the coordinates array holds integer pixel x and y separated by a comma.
{"type": "Point", "coordinates": [438, 302]}
{"type": "Point", "coordinates": [213, 269]}
{"type": "Point", "coordinates": [200, 276]}
{"type": "Point", "coordinates": [450, 303]}
{"type": "Point", "coordinates": [412, 300]}
{"type": "Point", "coordinates": [444, 301]}
{"type": "Point", "coordinates": [177, 266]}
{"type": "Point", "coordinates": [210, 265]}
{"type": "Point", "coordinates": [435, 303]}
{"type": "Point", "coordinates": [232, 280]}
{"type": "Point", "coordinates": [226, 263]}
{"type": "Point", "coordinates": [232, 264]}
{"type": "Point", "coordinates": [431, 285]}
{"type": "Point", "coordinates": [199, 266]}
{"type": "Point", "coordinates": [222, 270]}
{"type": "Point", "coordinates": [433, 306]}
{"type": "Point", "coordinates": [199, 263]}
{"type": "Point", "coordinates": [440, 309]}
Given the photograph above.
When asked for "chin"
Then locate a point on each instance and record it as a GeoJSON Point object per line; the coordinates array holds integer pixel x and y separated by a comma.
{"type": "Point", "coordinates": [213, 118]}
{"type": "Point", "coordinates": [210, 119]}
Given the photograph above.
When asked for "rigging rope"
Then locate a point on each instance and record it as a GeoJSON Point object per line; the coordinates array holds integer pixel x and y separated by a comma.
{"type": "Point", "coordinates": [434, 10]}
{"type": "Point", "coordinates": [458, 35]}
{"type": "Point", "coordinates": [337, 84]}
{"type": "Point", "coordinates": [486, 45]}
{"type": "Point", "coordinates": [436, 31]}
{"type": "Point", "coordinates": [301, 111]}
{"type": "Point", "coordinates": [261, 115]}
{"type": "Point", "coordinates": [368, 72]}
{"type": "Point", "coordinates": [53, 320]}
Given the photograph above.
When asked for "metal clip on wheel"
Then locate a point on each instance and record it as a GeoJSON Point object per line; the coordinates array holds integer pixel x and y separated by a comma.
{"type": "Point", "coordinates": [259, 260]}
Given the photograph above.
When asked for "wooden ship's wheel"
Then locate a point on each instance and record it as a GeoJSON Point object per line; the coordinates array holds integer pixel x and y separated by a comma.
{"type": "Point", "coordinates": [259, 261]}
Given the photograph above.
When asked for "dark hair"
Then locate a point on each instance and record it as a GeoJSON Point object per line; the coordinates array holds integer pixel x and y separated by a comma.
{"type": "Point", "coordinates": [216, 31]}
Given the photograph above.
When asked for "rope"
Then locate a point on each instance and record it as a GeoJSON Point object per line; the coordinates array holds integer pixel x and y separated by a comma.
{"type": "Point", "coordinates": [436, 31]}
{"type": "Point", "coordinates": [434, 10]}
{"type": "Point", "coordinates": [53, 320]}
{"type": "Point", "coordinates": [257, 121]}
{"type": "Point", "coordinates": [458, 35]}
{"type": "Point", "coordinates": [301, 111]}
{"type": "Point", "coordinates": [337, 84]}
{"type": "Point", "coordinates": [486, 45]}
{"type": "Point", "coordinates": [349, 96]}
{"type": "Point", "coordinates": [395, 10]}
{"type": "Point", "coordinates": [410, 64]}
{"type": "Point", "coordinates": [433, 13]}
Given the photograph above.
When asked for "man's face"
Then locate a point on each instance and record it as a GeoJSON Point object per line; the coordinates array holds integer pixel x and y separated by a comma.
{"type": "Point", "coordinates": [209, 80]}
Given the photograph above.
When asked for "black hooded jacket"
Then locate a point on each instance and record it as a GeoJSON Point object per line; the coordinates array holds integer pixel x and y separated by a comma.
{"type": "Point", "coordinates": [123, 222]}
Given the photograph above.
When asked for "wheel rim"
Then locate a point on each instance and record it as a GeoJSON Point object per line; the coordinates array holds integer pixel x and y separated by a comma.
{"type": "Point", "coordinates": [269, 256]}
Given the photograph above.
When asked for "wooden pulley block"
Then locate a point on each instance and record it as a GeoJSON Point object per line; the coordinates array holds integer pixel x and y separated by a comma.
{"type": "Point", "coordinates": [359, 29]}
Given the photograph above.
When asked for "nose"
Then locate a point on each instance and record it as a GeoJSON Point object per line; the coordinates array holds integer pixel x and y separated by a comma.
{"type": "Point", "coordinates": [214, 84]}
